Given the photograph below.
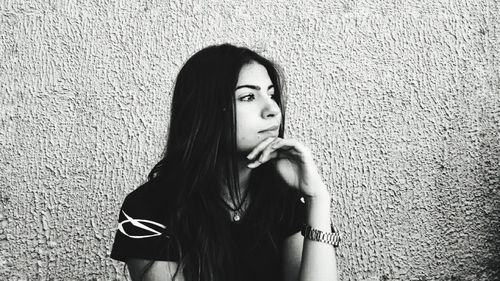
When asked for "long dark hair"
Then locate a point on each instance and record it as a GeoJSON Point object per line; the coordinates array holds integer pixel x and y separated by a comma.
{"type": "Point", "coordinates": [201, 152]}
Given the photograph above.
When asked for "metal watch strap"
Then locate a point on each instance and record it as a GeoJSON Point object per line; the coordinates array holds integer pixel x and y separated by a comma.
{"type": "Point", "coordinates": [332, 238]}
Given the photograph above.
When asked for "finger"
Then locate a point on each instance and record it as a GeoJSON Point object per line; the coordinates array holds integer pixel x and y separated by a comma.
{"type": "Point", "coordinates": [264, 154]}
{"type": "Point", "coordinates": [286, 145]}
{"type": "Point", "coordinates": [272, 151]}
{"type": "Point", "coordinates": [259, 148]}
{"type": "Point", "coordinates": [290, 148]}
{"type": "Point", "coordinates": [256, 164]}
{"type": "Point", "coordinates": [294, 149]}
{"type": "Point", "coordinates": [269, 148]}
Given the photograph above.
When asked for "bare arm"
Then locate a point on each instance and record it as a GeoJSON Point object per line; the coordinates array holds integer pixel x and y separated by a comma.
{"type": "Point", "coordinates": [159, 271]}
{"type": "Point", "coordinates": [311, 260]}
{"type": "Point", "coordinates": [292, 255]}
{"type": "Point", "coordinates": [295, 164]}
{"type": "Point", "coordinates": [318, 259]}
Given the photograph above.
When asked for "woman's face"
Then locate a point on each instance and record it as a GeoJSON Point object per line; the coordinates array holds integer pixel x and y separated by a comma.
{"type": "Point", "coordinates": [258, 116]}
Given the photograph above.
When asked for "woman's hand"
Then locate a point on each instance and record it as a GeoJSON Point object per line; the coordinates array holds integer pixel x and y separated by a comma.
{"type": "Point", "coordinates": [293, 162]}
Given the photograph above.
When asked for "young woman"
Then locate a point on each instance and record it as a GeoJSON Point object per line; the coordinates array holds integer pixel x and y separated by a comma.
{"type": "Point", "coordinates": [232, 199]}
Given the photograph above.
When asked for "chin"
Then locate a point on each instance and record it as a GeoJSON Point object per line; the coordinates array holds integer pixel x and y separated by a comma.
{"type": "Point", "coordinates": [246, 149]}
{"type": "Point", "coordinates": [248, 145]}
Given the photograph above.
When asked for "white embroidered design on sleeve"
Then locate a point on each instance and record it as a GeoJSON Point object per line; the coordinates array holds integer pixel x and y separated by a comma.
{"type": "Point", "coordinates": [140, 223]}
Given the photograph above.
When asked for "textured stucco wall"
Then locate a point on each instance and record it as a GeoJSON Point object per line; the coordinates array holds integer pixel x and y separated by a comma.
{"type": "Point", "coordinates": [399, 102]}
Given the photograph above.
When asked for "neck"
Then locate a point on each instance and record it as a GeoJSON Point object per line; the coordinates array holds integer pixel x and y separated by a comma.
{"type": "Point", "coordinates": [244, 176]}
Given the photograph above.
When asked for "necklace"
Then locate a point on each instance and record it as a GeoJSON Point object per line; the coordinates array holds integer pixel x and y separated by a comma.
{"type": "Point", "coordinates": [237, 210]}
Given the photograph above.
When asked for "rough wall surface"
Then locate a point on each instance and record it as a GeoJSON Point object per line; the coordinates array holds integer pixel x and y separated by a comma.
{"type": "Point", "coordinates": [399, 102]}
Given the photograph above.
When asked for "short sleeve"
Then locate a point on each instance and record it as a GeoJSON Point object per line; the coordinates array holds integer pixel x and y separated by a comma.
{"type": "Point", "coordinates": [141, 232]}
{"type": "Point", "coordinates": [296, 212]}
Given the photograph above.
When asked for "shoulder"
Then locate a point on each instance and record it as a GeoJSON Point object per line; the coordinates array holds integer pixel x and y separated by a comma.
{"type": "Point", "coordinates": [142, 223]}
{"type": "Point", "coordinates": [148, 204]}
{"type": "Point", "coordinates": [150, 197]}
{"type": "Point", "coordinates": [148, 200]}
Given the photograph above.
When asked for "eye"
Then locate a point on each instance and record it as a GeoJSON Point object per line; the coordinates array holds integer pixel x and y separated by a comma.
{"type": "Point", "coordinates": [271, 94]}
{"type": "Point", "coordinates": [248, 97]}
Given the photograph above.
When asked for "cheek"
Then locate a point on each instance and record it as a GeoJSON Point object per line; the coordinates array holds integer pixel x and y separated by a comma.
{"type": "Point", "coordinates": [247, 136]}
{"type": "Point", "coordinates": [245, 140]}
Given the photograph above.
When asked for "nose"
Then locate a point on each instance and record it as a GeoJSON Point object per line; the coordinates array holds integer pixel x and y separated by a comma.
{"type": "Point", "coordinates": [270, 109]}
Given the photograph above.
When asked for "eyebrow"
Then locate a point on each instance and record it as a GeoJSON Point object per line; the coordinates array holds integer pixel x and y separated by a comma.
{"type": "Point", "coordinates": [253, 87]}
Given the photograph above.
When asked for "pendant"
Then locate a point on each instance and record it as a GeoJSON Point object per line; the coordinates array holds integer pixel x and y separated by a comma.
{"type": "Point", "coordinates": [236, 217]}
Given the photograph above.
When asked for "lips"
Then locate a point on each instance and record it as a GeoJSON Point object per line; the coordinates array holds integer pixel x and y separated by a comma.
{"type": "Point", "coordinates": [270, 129]}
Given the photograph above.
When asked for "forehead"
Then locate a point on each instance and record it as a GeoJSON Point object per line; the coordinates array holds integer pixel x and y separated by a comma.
{"type": "Point", "coordinates": [254, 74]}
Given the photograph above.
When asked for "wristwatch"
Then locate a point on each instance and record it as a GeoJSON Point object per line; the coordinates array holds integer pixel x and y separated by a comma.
{"type": "Point", "coordinates": [332, 238]}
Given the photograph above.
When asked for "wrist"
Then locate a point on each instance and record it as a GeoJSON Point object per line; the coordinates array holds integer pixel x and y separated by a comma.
{"type": "Point", "coordinates": [330, 237]}
{"type": "Point", "coordinates": [318, 210]}
{"type": "Point", "coordinates": [321, 196]}
{"type": "Point", "coordinates": [319, 204]}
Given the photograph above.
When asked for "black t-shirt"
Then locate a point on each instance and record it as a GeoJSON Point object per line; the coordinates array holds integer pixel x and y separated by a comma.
{"type": "Point", "coordinates": [142, 233]}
